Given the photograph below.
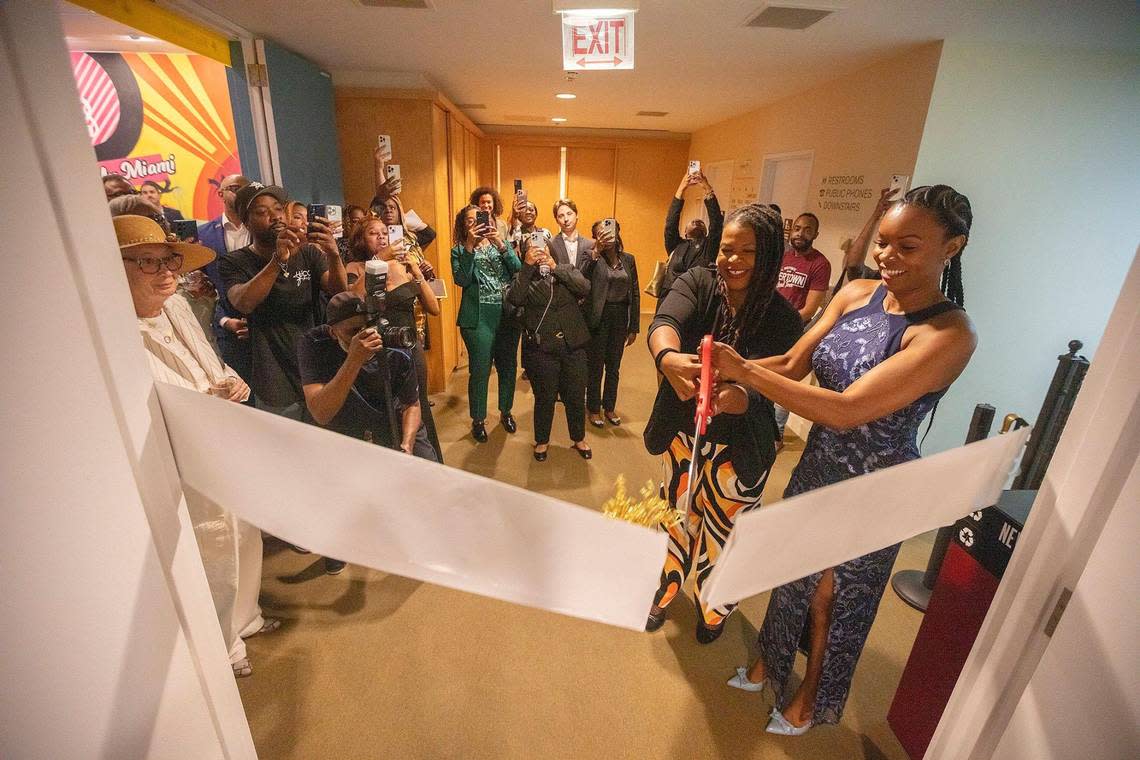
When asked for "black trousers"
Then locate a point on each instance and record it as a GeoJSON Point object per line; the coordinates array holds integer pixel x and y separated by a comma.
{"type": "Point", "coordinates": [607, 344]}
{"type": "Point", "coordinates": [239, 355]}
{"type": "Point", "coordinates": [556, 370]}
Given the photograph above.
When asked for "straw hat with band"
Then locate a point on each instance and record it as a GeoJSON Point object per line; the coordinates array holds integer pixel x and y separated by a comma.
{"type": "Point", "coordinates": [134, 231]}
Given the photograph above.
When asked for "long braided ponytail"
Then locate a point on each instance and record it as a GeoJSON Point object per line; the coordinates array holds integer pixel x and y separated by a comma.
{"type": "Point", "coordinates": [953, 212]}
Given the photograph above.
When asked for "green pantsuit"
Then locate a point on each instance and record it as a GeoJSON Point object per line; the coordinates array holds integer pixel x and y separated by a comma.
{"type": "Point", "coordinates": [491, 338]}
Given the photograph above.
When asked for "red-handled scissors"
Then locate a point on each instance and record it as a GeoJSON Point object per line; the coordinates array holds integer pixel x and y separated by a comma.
{"type": "Point", "coordinates": [701, 422]}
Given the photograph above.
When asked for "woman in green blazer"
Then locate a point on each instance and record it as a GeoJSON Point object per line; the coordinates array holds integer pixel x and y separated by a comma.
{"type": "Point", "coordinates": [483, 265]}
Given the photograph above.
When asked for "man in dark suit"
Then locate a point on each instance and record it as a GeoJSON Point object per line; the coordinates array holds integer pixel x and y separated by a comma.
{"type": "Point", "coordinates": [225, 234]}
{"type": "Point", "coordinates": [568, 247]}
{"type": "Point", "coordinates": [152, 191]}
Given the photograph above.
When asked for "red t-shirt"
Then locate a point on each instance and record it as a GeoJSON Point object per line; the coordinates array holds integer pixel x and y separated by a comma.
{"type": "Point", "coordinates": [801, 273]}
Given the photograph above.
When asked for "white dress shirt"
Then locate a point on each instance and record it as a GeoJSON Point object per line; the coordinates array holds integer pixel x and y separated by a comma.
{"type": "Point", "coordinates": [237, 235]}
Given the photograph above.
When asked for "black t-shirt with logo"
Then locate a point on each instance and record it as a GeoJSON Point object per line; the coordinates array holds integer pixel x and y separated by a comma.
{"type": "Point", "coordinates": [364, 410]}
{"type": "Point", "coordinates": [292, 307]}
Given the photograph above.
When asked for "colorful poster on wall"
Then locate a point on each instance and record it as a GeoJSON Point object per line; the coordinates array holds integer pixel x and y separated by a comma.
{"type": "Point", "coordinates": [162, 117]}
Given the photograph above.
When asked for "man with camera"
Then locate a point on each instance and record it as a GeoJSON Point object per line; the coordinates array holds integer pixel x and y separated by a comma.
{"type": "Point", "coordinates": [351, 388]}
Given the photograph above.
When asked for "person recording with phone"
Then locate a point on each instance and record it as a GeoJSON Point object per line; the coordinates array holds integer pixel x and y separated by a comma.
{"type": "Point", "coordinates": [554, 341]}
{"type": "Point", "coordinates": [613, 313]}
{"type": "Point", "coordinates": [854, 266]}
{"type": "Point", "coordinates": [523, 222]}
{"type": "Point", "coordinates": [386, 204]}
{"type": "Point", "coordinates": [276, 282]}
{"type": "Point", "coordinates": [487, 199]}
{"type": "Point", "coordinates": [699, 245]}
{"type": "Point", "coordinates": [482, 263]}
{"type": "Point", "coordinates": [406, 287]}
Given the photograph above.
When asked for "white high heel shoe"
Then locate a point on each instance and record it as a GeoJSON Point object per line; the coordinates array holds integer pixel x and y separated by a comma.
{"type": "Point", "coordinates": [740, 681]}
{"type": "Point", "coordinates": [781, 726]}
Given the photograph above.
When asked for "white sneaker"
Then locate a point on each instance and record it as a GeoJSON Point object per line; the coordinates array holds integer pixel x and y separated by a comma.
{"type": "Point", "coordinates": [783, 727]}
{"type": "Point", "coordinates": [740, 681]}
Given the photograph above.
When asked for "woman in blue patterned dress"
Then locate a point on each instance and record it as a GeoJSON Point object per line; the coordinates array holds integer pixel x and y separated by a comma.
{"type": "Point", "coordinates": [883, 354]}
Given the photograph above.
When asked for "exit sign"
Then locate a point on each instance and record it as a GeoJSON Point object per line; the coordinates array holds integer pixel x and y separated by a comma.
{"type": "Point", "coordinates": [595, 44]}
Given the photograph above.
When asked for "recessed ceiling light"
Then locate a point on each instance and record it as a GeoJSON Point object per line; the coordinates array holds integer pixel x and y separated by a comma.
{"type": "Point", "coordinates": [565, 96]}
{"type": "Point", "coordinates": [558, 119]}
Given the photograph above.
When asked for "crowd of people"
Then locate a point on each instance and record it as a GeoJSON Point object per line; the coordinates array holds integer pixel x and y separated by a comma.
{"type": "Point", "coordinates": [279, 308]}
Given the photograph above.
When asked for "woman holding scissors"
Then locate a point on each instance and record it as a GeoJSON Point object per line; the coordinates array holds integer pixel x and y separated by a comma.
{"type": "Point", "coordinates": [738, 305]}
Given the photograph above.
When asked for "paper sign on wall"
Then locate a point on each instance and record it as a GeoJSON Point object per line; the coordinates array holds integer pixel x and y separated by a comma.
{"type": "Point", "coordinates": [593, 44]}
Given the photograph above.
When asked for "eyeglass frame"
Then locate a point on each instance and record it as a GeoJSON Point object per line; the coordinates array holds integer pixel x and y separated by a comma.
{"type": "Point", "coordinates": [165, 261]}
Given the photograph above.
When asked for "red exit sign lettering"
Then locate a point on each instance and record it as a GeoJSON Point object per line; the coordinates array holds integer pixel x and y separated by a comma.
{"type": "Point", "coordinates": [597, 43]}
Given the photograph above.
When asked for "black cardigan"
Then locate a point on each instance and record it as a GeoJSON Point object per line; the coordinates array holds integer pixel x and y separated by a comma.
{"type": "Point", "coordinates": [596, 274]}
{"type": "Point", "coordinates": [690, 308]}
{"type": "Point", "coordinates": [561, 291]}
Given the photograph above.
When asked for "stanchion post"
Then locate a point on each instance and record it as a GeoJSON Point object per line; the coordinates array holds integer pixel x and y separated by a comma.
{"type": "Point", "coordinates": [914, 586]}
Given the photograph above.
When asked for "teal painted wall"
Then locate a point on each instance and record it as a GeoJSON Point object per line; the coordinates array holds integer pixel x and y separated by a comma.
{"type": "Point", "coordinates": [1046, 143]}
{"type": "Point", "coordinates": [305, 123]}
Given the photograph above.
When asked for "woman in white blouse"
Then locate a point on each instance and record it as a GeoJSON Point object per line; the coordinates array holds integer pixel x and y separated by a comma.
{"type": "Point", "coordinates": [179, 353]}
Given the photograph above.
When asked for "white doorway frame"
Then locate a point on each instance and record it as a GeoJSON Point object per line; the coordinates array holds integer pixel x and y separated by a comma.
{"type": "Point", "coordinates": [768, 172]}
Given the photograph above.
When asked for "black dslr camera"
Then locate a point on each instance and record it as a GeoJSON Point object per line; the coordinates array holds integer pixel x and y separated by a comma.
{"type": "Point", "coordinates": [376, 295]}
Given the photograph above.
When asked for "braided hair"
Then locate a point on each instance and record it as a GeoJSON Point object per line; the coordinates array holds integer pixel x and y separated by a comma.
{"type": "Point", "coordinates": [768, 227]}
{"type": "Point", "coordinates": [954, 215]}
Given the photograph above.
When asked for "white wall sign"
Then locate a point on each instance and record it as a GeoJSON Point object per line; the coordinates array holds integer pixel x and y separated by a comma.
{"type": "Point", "coordinates": [592, 44]}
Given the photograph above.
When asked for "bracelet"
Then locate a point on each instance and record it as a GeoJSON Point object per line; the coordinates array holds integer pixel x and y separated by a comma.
{"type": "Point", "coordinates": [661, 355]}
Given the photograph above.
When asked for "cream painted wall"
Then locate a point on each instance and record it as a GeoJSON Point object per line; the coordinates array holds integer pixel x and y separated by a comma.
{"type": "Point", "coordinates": [1044, 142]}
{"type": "Point", "coordinates": [866, 123]}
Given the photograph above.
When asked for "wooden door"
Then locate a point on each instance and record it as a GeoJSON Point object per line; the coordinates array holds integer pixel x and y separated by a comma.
{"type": "Point", "coordinates": [590, 183]}
{"type": "Point", "coordinates": [538, 166]}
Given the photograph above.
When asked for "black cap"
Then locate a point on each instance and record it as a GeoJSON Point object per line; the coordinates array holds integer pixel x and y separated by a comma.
{"type": "Point", "coordinates": [244, 197]}
{"type": "Point", "coordinates": [344, 305]}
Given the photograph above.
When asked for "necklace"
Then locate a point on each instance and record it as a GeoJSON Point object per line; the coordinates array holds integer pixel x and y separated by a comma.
{"type": "Point", "coordinates": [284, 269]}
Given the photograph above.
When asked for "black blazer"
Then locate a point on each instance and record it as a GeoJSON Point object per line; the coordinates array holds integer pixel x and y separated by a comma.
{"type": "Point", "coordinates": [690, 308]}
{"type": "Point", "coordinates": [550, 305]}
{"type": "Point", "coordinates": [595, 271]}
{"type": "Point", "coordinates": [560, 254]}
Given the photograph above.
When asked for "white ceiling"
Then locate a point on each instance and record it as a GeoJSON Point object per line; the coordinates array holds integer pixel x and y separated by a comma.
{"type": "Point", "coordinates": [694, 60]}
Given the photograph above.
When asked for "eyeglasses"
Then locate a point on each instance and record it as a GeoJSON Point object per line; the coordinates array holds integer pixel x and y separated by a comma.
{"type": "Point", "coordinates": [149, 265]}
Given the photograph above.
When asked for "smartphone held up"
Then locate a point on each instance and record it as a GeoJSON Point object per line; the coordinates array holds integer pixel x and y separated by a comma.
{"type": "Point", "coordinates": [331, 213]}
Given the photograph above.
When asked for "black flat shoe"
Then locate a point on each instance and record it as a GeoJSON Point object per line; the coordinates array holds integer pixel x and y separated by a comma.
{"type": "Point", "coordinates": [613, 419]}
{"type": "Point", "coordinates": [540, 456]}
{"type": "Point", "coordinates": [584, 453]}
{"type": "Point", "coordinates": [509, 423]}
{"type": "Point", "coordinates": [479, 431]}
{"type": "Point", "coordinates": [597, 423]}
{"type": "Point", "coordinates": [707, 634]}
{"type": "Point", "coordinates": [656, 619]}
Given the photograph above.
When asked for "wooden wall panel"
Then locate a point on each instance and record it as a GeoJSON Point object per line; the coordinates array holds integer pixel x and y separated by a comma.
{"type": "Point", "coordinates": [537, 166]}
{"type": "Point", "coordinates": [444, 359]}
{"type": "Point", "coordinates": [648, 173]}
{"type": "Point", "coordinates": [359, 120]}
{"type": "Point", "coordinates": [590, 183]}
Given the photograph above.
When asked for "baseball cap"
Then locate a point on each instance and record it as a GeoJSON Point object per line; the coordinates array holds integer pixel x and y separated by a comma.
{"type": "Point", "coordinates": [344, 305]}
{"type": "Point", "coordinates": [244, 198]}
{"type": "Point", "coordinates": [139, 230]}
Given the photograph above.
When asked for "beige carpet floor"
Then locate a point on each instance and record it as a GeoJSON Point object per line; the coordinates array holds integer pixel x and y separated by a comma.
{"type": "Point", "coordinates": [369, 665]}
